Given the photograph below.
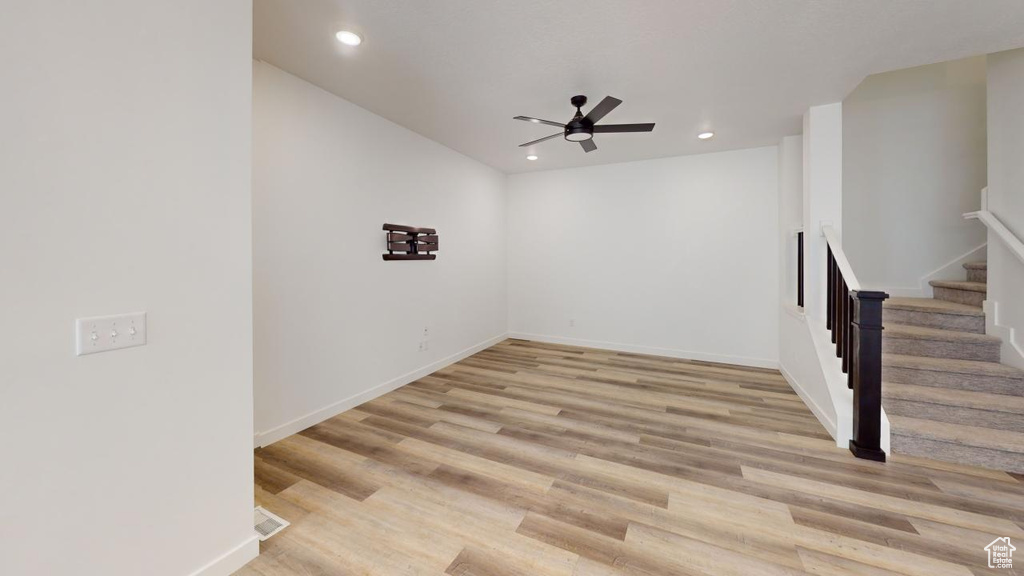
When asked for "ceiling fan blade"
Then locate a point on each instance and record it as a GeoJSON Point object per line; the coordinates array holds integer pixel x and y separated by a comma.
{"type": "Point", "coordinates": [624, 128]}
{"type": "Point", "coordinates": [539, 121]}
{"type": "Point", "coordinates": [603, 107]}
{"type": "Point", "coordinates": [588, 145]}
{"type": "Point", "coordinates": [537, 141]}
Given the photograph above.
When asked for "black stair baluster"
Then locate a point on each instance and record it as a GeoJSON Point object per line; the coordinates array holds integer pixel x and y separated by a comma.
{"type": "Point", "coordinates": [800, 269]}
{"type": "Point", "coordinates": [847, 338]}
{"type": "Point", "coordinates": [830, 264]}
{"type": "Point", "coordinates": [836, 319]}
{"type": "Point", "coordinates": [841, 314]}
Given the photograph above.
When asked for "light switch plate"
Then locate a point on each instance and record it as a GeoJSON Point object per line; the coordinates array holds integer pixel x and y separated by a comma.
{"type": "Point", "coordinates": [104, 333]}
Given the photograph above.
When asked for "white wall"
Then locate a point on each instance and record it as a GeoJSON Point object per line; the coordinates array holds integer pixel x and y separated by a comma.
{"type": "Point", "coordinates": [335, 324]}
{"type": "Point", "coordinates": [676, 256]}
{"type": "Point", "coordinates": [822, 197]}
{"type": "Point", "coordinates": [798, 358]}
{"type": "Point", "coordinates": [1005, 305]}
{"type": "Point", "coordinates": [914, 160]}
{"type": "Point", "coordinates": [124, 186]}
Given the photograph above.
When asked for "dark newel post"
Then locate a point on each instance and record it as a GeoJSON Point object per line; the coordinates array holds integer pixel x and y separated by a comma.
{"type": "Point", "coordinates": [866, 333]}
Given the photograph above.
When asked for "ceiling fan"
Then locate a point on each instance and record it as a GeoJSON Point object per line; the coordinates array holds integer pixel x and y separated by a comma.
{"type": "Point", "coordinates": [582, 128]}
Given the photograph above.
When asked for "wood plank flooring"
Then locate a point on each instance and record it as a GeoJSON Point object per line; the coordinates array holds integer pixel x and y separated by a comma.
{"type": "Point", "coordinates": [538, 459]}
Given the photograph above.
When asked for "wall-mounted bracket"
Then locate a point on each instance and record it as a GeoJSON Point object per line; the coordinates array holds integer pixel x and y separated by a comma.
{"type": "Point", "coordinates": [824, 224]}
{"type": "Point", "coordinates": [410, 243]}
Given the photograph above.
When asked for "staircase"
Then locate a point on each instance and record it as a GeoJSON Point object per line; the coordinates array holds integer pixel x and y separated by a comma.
{"type": "Point", "coordinates": [944, 390]}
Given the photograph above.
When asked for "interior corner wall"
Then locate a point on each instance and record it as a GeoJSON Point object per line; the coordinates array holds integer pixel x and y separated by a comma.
{"type": "Point", "coordinates": [676, 256]}
{"type": "Point", "coordinates": [1005, 300]}
{"type": "Point", "coordinates": [125, 186]}
{"type": "Point", "coordinates": [335, 324]}
{"type": "Point", "coordinates": [914, 160]}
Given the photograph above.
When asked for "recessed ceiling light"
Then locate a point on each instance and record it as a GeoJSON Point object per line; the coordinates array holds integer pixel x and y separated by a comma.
{"type": "Point", "coordinates": [705, 135]}
{"type": "Point", "coordinates": [349, 38]}
{"type": "Point", "coordinates": [531, 157]}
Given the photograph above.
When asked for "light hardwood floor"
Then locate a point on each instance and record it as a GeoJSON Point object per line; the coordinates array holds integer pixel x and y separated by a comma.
{"type": "Point", "coordinates": [537, 459]}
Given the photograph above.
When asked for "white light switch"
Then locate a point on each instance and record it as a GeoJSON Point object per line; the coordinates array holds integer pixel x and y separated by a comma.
{"type": "Point", "coordinates": [104, 333]}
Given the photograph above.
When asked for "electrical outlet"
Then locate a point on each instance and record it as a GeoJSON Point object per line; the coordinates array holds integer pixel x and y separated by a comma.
{"type": "Point", "coordinates": [572, 322]}
{"type": "Point", "coordinates": [103, 333]}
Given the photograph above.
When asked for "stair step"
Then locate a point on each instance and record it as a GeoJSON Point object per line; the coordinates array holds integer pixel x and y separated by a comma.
{"type": "Point", "coordinates": [972, 293]}
{"type": "Point", "coordinates": [920, 341]}
{"type": "Point", "coordinates": [953, 374]}
{"type": "Point", "coordinates": [980, 409]}
{"type": "Point", "coordinates": [997, 449]}
{"type": "Point", "coordinates": [960, 285]}
{"type": "Point", "coordinates": [977, 271]}
{"type": "Point", "coordinates": [932, 313]}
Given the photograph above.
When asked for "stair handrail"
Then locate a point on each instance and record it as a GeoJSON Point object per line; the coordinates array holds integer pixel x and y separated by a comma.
{"type": "Point", "coordinates": [854, 316]}
{"type": "Point", "coordinates": [832, 237]}
{"type": "Point", "coordinates": [993, 223]}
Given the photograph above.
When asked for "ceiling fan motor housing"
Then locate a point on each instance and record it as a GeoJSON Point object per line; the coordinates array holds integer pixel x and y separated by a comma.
{"type": "Point", "coordinates": [579, 128]}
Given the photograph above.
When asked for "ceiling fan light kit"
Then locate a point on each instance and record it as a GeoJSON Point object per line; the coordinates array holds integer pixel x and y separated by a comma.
{"type": "Point", "coordinates": [578, 134]}
{"type": "Point", "coordinates": [582, 128]}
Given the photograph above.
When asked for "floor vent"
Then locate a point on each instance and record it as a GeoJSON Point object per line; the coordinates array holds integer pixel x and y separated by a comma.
{"type": "Point", "coordinates": [268, 524]}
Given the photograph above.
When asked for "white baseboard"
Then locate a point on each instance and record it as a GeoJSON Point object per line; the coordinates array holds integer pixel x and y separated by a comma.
{"type": "Point", "coordinates": [232, 560]}
{"type": "Point", "coordinates": [268, 437]}
{"type": "Point", "coordinates": [669, 352]}
{"type": "Point", "coordinates": [819, 413]}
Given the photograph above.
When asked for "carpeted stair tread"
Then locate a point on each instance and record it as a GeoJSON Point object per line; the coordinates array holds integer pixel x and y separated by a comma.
{"type": "Point", "coordinates": [933, 305]}
{"type": "Point", "coordinates": [957, 398]}
{"type": "Point", "coordinates": [976, 271]}
{"type": "Point", "coordinates": [960, 285]}
{"type": "Point", "coordinates": [970, 367]}
{"type": "Point", "coordinates": [938, 343]}
{"type": "Point", "coordinates": [922, 333]}
{"type": "Point", "coordinates": [1001, 440]}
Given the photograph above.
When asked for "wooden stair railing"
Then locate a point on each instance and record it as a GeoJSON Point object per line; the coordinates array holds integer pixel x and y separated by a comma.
{"type": "Point", "coordinates": [854, 316]}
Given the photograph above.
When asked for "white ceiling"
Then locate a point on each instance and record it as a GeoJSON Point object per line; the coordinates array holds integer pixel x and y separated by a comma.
{"type": "Point", "coordinates": [457, 71]}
